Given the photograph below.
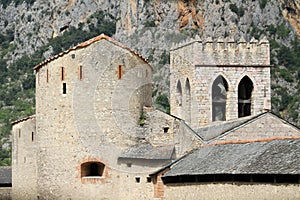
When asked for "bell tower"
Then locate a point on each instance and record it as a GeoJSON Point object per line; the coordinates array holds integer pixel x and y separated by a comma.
{"type": "Point", "coordinates": [226, 79]}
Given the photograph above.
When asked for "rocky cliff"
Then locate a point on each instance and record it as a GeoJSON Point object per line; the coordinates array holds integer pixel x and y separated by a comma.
{"type": "Point", "coordinates": [151, 27]}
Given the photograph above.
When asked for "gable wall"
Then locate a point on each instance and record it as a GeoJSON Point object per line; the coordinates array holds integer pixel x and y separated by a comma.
{"type": "Point", "coordinates": [267, 126]}
{"type": "Point", "coordinates": [95, 119]}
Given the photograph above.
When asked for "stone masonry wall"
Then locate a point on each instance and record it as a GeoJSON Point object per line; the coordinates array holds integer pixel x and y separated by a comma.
{"type": "Point", "coordinates": [95, 119]}
{"type": "Point", "coordinates": [265, 127]}
{"type": "Point", "coordinates": [24, 156]}
{"type": "Point", "coordinates": [231, 191]}
{"type": "Point", "coordinates": [201, 64]}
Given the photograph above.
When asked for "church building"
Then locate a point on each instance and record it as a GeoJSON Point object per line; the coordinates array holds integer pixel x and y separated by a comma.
{"type": "Point", "coordinates": [96, 135]}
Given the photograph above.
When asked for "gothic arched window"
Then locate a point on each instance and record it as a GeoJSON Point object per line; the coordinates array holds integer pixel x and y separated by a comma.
{"type": "Point", "coordinates": [244, 97]}
{"type": "Point", "coordinates": [179, 93]}
{"type": "Point", "coordinates": [219, 97]}
{"type": "Point", "coordinates": [188, 100]}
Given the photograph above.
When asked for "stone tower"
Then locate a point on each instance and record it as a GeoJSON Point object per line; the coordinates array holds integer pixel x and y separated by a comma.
{"type": "Point", "coordinates": [219, 80]}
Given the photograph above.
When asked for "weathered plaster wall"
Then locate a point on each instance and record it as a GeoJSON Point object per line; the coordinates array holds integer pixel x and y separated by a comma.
{"type": "Point", "coordinates": [24, 156]}
{"type": "Point", "coordinates": [5, 193]}
{"type": "Point", "coordinates": [96, 119]}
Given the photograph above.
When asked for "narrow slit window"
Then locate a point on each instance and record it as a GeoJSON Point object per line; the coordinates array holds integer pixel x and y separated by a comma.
{"type": "Point", "coordinates": [62, 73]}
{"type": "Point", "coordinates": [32, 136]}
{"type": "Point", "coordinates": [19, 133]}
{"type": "Point", "coordinates": [120, 72]}
{"type": "Point", "coordinates": [80, 72]}
{"type": "Point", "coordinates": [47, 76]}
{"type": "Point", "coordinates": [64, 88]}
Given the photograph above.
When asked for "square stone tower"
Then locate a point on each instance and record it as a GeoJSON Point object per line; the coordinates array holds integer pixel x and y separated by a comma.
{"type": "Point", "coordinates": [219, 80]}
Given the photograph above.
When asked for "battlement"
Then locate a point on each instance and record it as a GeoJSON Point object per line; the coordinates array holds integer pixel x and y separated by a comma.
{"type": "Point", "coordinates": [224, 51]}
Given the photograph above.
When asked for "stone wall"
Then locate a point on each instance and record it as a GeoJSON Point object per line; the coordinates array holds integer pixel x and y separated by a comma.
{"type": "Point", "coordinates": [264, 127]}
{"type": "Point", "coordinates": [231, 191]}
{"type": "Point", "coordinates": [5, 193]}
{"type": "Point", "coordinates": [24, 156]}
{"type": "Point", "coordinates": [194, 68]}
{"type": "Point", "coordinates": [106, 87]}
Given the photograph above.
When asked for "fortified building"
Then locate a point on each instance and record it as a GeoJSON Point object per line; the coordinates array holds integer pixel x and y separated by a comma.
{"type": "Point", "coordinates": [95, 134]}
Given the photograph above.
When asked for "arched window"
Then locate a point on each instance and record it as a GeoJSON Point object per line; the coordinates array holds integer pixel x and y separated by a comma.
{"type": "Point", "coordinates": [219, 97]}
{"type": "Point", "coordinates": [188, 100]}
{"type": "Point", "coordinates": [244, 97]}
{"type": "Point", "coordinates": [179, 93]}
{"type": "Point", "coordinates": [92, 169]}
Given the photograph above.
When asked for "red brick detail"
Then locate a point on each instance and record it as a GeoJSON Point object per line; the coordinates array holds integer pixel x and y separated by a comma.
{"type": "Point", "coordinates": [159, 189]}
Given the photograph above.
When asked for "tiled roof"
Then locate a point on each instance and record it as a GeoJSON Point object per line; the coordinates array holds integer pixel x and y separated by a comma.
{"type": "Point", "coordinates": [273, 157]}
{"type": "Point", "coordinates": [23, 119]}
{"type": "Point", "coordinates": [87, 43]}
{"type": "Point", "coordinates": [147, 151]}
{"type": "Point", "coordinates": [219, 129]}
{"type": "Point", "coordinates": [5, 175]}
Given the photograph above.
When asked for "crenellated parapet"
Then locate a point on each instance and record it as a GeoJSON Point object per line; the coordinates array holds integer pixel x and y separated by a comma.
{"type": "Point", "coordinates": [224, 51]}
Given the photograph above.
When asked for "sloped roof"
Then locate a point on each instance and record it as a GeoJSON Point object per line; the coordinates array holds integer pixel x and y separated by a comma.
{"type": "Point", "coordinates": [5, 175]}
{"type": "Point", "coordinates": [273, 157]}
{"type": "Point", "coordinates": [87, 43]}
{"type": "Point", "coordinates": [23, 119]}
{"type": "Point", "coordinates": [147, 151]}
{"type": "Point", "coordinates": [219, 129]}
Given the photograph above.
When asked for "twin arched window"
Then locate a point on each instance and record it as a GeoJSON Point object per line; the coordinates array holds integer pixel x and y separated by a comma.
{"type": "Point", "coordinates": [219, 98]}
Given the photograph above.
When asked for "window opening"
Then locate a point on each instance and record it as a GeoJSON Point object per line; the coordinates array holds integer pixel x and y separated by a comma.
{"type": "Point", "coordinates": [244, 97]}
{"type": "Point", "coordinates": [19, 133]}
{"type": "Point", "coordinates": [148, 179]}
{"type": "Point", "coordinates": [119, 71]}
{"type": "Point", "coordinates": [138, 179]}
{"type": "Point", "coordinates": [179, 93]}
{"type": "Point", "coordinates": [64, 88]}
{"type": "Point", "coordinates": [219, 98]}
{"type": "Point", "coordinates": [188, 101]}
{"type": "Point", "coordinates": [166, 129]}
{"type": "Point", "coordinates": [47, 78]}
{"type": "Point", "coordinates": [92, 169]}
{"type": "Point", "coordinates": [32, 136]}
{"type": "Point", "coordinates": [62, 73]}
{"type": "Point", "coordinates": [80, 72]}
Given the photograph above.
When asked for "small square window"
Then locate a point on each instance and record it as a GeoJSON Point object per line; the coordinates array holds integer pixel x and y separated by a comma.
{"type": "Point", "coordinates": [138, 179]}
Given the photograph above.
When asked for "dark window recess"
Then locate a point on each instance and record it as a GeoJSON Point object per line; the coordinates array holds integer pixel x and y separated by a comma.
{"type": "Point", "coordinates": [64, 88]}
{"type": "Point", "coordinates": [244, 97]}
{"type": "Point", "coordinates": [219, 97]}
{"type": "Point", "coordinates": [236, 178]}
{"type": "Point", "coordinates": [80, 72]}
{"type": "Point", "coordinates": [119, 71]}
{"type": "Point", "coordinates": [19, 133]}
{"type": "Point", "coordinates": [47, 76]}
{"type": "Point", "coordinates": [179, 93]}
{"type": "Point", "coordinates": [92, 169]}
{"type": "Point", "coordinates": [32, 136]}
{"type": "Point", "coordinates": [62, 73]}
{"type": "Point", "coordinates": [137, 179]}
{"type": "Point", "coordinates": [166, 129]}
{"type": "Point", "coordinates": [73, 56]}
{"type": "Point", "coordinates": [148, 179]}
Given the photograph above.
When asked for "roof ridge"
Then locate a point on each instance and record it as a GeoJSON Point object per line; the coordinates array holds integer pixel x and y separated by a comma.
{"type": "Point", "coordinates": [23, 119]}
{"type": "Point", "coordinates": [87, 43]}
